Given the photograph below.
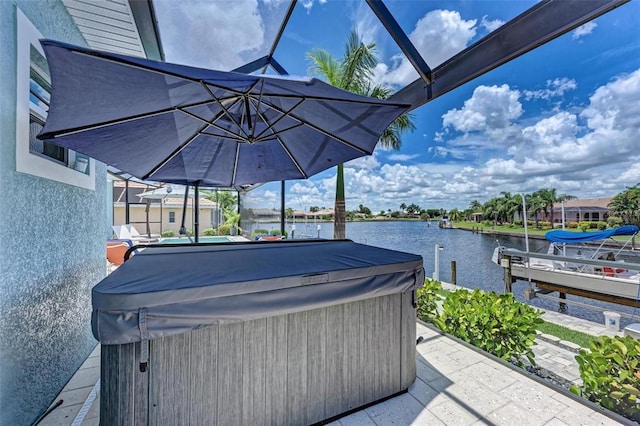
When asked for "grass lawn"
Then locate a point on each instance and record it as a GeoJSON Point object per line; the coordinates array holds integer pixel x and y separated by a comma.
{"type": "Point", "coordinates": [501, 228]}
{"type": "Point", "coordinates": [567, 334]}
{"type": "Point", "coordinates": [513, 229]}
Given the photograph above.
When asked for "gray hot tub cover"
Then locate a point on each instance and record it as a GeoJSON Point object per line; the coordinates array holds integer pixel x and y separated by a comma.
{"type": "Point", "coordinates": [171, 290]}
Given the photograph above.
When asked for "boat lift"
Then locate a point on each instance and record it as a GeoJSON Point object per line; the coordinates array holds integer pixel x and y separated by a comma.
{"type": "Point", "coordinates": [622, 290]}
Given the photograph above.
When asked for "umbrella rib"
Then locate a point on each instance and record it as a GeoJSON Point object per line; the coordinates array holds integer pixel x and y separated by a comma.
{"type": "Point", "coordinates": [318, 129]}
{"type": "Point", "coordinates": [173, 154]}
{"type": "Point", "coordinates": [283, 115]}
{"type": "Point", "coordinates": [212, 123]}
{"type": "Point", "coordinates": [295, 162]}
{"type": "Point", "coordinates": [276, 133]}
{"type": "Point", "coordinates": [365, 101]}
{"type": "Point", "coordinates": [235, 164]}
{"type": "Point", "coordinates": [205, 85]}
{"type": "Point", "coordinates": [123, 120]}
{"type": "Point", "coordinates": [231, 138]}
{"type": "Point", "coordinates": [258, 108]}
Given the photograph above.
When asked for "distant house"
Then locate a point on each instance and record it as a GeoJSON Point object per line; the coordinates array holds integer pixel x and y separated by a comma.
{"type": "Point", "coordinates": [161, 214]}
{"type": "Point", "coordinates": [265, 215]}
{"type": "Point", "coordinates": [320, 214]}
{"type": "Point", "coordinates": [586, 210]}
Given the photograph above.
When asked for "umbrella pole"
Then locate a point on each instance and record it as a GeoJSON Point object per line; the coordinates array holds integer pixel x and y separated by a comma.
{"type": "Point", "coordinates": [282, 214]}
{"type": "Point", "coordinates": [183, 230]}
{"type": "Point", "coordinates": [196, 206]}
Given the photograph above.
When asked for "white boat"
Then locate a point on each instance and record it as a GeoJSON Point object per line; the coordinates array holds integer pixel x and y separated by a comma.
{"type": "Point", "coordinates": [572, 265]}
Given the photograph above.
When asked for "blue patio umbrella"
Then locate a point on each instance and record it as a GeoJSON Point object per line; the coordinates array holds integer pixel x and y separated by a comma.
{"type": "Point", "coordinates": [191, 126]}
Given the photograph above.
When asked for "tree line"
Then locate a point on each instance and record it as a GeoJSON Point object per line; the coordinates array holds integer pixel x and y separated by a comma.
{"type": "Point", "coordinates": [504, 208]}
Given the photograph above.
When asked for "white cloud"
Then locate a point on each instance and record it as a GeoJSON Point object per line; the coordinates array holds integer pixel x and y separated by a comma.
{"type": "Point", "coordinates": [490, 107]}
{"type": "Point", "coordinates": [615, 105]}
{"type": "Point", "coordinates": [584, 30]}
{"type": "Point", "coordinates": [552, 130]}
{"type": "Point", "coordinates": [556, 87]}
{"type": "Point", "coordinates": [304, 187]}
{"type": "Point", "coordinates": [308, 4]}
{"type": "Point", "coordinates": [368, 162]}
{"type": "Point", "coordinates": [491, 25]}
{"type": "Point", "coordinates": [402, 157]}
{"type": "Point", "coordinates": [438, 35]}
{"type": "Point", "coordinates": [559, 146]}
{"type": "Point", "coordinates": [229, 29]}
{"type": "Point", "coordinates": [632, 174]}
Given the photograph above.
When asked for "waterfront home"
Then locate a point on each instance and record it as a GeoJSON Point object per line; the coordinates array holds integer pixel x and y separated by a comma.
{"type": "Point", "coordinates": [585, 210]}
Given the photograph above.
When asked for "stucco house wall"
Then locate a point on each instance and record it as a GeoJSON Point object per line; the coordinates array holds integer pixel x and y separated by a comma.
{"type": "Point", "coordinates": [52, 234]}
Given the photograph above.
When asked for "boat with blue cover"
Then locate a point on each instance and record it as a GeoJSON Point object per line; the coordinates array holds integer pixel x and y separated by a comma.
{"type": "Point", "coordinates": [588, 264]}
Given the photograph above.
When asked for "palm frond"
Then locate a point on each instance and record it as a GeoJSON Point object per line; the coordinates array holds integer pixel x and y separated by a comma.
{"type": "Point", "coordinates": [325, 66]}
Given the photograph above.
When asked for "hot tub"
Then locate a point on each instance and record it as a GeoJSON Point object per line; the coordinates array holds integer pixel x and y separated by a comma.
{"type": "Point", "coordinates": [283, 332]}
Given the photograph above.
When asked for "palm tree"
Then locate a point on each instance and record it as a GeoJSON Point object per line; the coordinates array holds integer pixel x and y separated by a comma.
{"type": "Point", "coordinates": [548, 198]}
{"type": "Point", "coordinates": [225, 199]}
{"type": "Point", "coordinates": [455, 215]}
{"type": "Point", "coordinates": [627, 205]}
{"type": "Point", "coordinates": [490, 209]}
{"type": "Point", "coordinates": [475, 206]}
{"type": "Point", "coordinates": [354, 73]}
{"type": "Point", "coordinates": [288, 212]}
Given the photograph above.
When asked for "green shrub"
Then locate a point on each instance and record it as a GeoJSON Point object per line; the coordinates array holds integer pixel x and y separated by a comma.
{"type": "Point", "coordinates": [260, 231]}
{"type": "Point", "coordinates": [167, 234]}
{"type": "Point", "coordinates": [209, 232]}
{"type": "Point", "coordinates": [584, 226]}
{"type": "Point", "coordinates": [224, 229]}
{"type": "Point", "coordinates": [613, 221]}
{"type": "Point", "coordinates": [496, 323]}
{"type": "Point", "coordinates": [427, 297]}
{"type": "Point", "coordinates": [518, 223]}
{"type": "Point", "coordinates": [610, 375]}
{"type": "Point", "coordinates": [601, 225]}
{"type": "Point", "coordinates": [572, 225]}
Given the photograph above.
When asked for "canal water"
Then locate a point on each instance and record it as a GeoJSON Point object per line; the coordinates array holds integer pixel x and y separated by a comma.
{"type": "Point", "coordinates": [472, 253]}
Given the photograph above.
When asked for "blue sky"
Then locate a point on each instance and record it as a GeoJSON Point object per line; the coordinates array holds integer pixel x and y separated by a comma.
{"type": "Point", "coordinates": [565, 116]}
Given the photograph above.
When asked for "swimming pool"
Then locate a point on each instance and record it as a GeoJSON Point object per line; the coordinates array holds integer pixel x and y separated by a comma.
{"type": "Point", "coordinates": [185, 240]}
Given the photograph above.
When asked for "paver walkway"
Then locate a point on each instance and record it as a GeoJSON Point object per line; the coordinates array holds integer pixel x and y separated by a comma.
{"type": "Point", "coordinates": [456, 385]}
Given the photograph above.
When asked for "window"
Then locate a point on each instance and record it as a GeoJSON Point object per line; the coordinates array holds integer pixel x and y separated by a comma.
{"type": "Point", "coordinates": [39, 99]}
{"type": "Point", "coordinates": [34, 156]}
{"type": "Point", "coordinates": [172, 217]}
{"type": "Point", "coordinates": [595, 216]}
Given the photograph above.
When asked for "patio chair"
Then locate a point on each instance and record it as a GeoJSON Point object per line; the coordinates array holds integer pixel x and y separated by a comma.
{"type": "Point", "coordinates": [135, 235]}
{"type": "Point", "coordinates": [122, 232]}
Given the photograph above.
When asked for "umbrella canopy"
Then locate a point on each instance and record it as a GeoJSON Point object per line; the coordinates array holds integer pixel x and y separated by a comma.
{"type": "Point", "coordinates": [172, 123]}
